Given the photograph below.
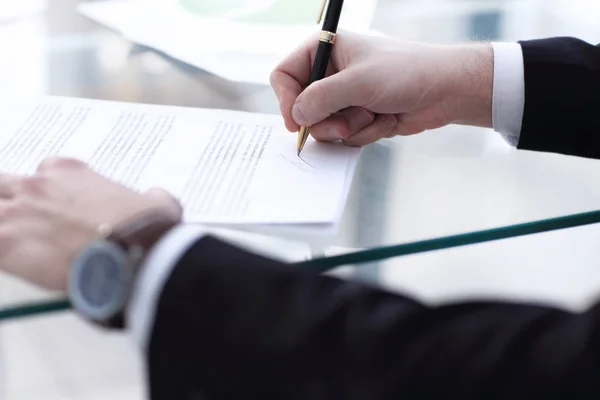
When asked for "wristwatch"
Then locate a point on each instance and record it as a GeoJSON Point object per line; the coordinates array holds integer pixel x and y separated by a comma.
{"type": "Point", "coordinates": [102, 274]}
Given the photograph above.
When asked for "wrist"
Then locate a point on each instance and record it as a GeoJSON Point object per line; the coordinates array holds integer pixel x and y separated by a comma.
{"type": "Point", "coordinates": [103, 273]}
{"type": "Point", "coordinates": [469, 84]}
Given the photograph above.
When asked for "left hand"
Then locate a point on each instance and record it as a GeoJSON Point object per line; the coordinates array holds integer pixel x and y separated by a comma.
{"type": "Point", "coordinates": [46, 218]}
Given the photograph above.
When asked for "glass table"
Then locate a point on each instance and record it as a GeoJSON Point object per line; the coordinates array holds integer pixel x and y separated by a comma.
{"type": "Point", "coordinates": [444, 199]}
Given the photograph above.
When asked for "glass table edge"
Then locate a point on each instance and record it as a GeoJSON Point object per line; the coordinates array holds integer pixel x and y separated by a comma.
{"type": "Point", "coordinates": [327, 263]}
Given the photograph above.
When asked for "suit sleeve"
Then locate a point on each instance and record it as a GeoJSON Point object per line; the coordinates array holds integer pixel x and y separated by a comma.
{"type": "Point", "coordinates": [231, 325]}
{"type": "Point", "coordinates": [562, 97]}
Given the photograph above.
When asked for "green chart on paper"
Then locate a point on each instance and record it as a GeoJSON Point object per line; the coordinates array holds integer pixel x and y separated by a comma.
{"type": "Point", "coordinates": [281, 12]}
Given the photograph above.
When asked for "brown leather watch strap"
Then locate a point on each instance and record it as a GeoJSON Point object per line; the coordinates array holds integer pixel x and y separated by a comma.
{"type": "Point", "coordinates": [137, 236]}
{"type": "Point", "coordinates": [143, 230]}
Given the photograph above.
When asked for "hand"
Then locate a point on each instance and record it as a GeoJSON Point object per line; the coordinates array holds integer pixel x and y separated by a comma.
{"type": "Point", "coordinates": [46, 218]}
{"type": "Point", "coordinates": [378, 87]}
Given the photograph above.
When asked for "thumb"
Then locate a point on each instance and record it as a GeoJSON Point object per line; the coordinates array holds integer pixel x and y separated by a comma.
{"type": "Point", "coordinates": [165, 199]}
{"type": "Point", "coordinates": [327, 96]}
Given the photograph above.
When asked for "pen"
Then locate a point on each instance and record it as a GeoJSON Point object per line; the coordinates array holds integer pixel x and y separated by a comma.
{"type": "Point", "coordinates": [326, 41]}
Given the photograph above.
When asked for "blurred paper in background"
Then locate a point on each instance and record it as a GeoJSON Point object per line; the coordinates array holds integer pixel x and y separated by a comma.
{"type": "Point", "coordinates": [239, 40]}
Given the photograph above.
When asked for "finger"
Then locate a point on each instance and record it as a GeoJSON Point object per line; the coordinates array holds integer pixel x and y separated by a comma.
{"type": "Point", "coordinates": [411, 125]}
{"type": "Point", "coordinates": [291, 76]}
{"type": "Point", "coordinates": [287, 90]}
{"type": "Point", "coordinates": [328, 96]}
{"type": "Point", "coordinates": [380, 128]}
{"type": "Point", "coordinates": [9, 185]}
{"type": "Point", "coordinates": [298, 63]}
{"type": "Point", "coordinates": [165, 198]}
{"type": "Point", "coordinates": [402, 129]}
{"type": "Point", "coordinates": [55, 163]}
{"type": "Point", "coordinates": [342, 124]}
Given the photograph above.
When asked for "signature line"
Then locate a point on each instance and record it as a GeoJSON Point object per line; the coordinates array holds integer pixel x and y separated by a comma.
{"type": "Point", "coordinates": [306, 162]}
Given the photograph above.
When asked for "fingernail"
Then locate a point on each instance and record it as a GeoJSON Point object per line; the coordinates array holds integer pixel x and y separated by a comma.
{"type": "Point", "coordinates": [337, 133]}
{"type": "Point", "coordinates": [365, 117]}
{"type": "Point", "coordinates": [331, 133]}
{"type": "Point", "coordinates": [298, 115]}
{"type": "Point", "coordinates": [392, 122]}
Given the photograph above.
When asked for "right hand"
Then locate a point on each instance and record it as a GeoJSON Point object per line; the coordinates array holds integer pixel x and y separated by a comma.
{"type": "Point", "coordinates": [379, 87]}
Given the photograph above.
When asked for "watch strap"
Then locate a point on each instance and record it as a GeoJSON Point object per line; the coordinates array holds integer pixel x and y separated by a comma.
{"type": "Point", "coordinates": [137, 236]}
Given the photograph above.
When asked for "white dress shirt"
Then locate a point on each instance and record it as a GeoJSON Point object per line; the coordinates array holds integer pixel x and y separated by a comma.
{"type": "Point", "coordinates": [507, 114]}
{"type": "Point", "coordinates": [508, 100]}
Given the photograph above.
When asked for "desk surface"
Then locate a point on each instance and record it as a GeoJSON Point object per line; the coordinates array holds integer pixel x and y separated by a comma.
{"type": "Point", "coordinates": [445, 182]}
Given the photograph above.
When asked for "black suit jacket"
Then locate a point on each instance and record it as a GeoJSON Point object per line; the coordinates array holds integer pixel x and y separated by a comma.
{"type": "Point", "coordinates": [562, 97]}
{"type": "Point", "coordinates": [233, 325]}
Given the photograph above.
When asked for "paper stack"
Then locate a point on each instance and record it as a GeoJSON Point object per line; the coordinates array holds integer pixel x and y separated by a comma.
{"type": "Point", "coordinates": [227, 167]}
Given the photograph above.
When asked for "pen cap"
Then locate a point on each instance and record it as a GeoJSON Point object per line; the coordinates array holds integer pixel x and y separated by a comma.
{"type": "Point", "coordinates": [332, 16]}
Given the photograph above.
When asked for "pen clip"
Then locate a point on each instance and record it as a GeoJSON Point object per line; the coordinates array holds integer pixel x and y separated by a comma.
{"type": "Point", "coordinates": [321, 11]}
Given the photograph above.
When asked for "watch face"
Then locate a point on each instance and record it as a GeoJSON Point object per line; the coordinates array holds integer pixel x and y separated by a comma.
{"type": "Point", "coordinates": [99, 280]}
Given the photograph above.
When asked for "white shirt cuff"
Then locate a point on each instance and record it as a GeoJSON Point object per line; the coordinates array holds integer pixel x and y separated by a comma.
{"type": "Point", "coordinates": [152, 277]}
{"type": "Point", "coordinates": [509, 91]}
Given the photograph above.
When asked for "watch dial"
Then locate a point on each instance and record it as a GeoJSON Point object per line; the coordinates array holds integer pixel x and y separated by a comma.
{"type": "Point", "coordinates": [99, 277]}
{"type": "Point", "coordinates": [99, 280]}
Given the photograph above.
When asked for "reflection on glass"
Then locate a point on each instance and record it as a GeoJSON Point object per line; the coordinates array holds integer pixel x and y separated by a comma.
{"type": "Point", "coordinates": [485, 25]}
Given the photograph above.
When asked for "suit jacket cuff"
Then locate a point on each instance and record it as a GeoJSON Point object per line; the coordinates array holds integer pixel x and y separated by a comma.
{"type": "Point", "coordinates": [562, 86]}
{"type": "Point", "coordinates": [509, 91]}
{"type": "Point", "coordinates": [152, 276]}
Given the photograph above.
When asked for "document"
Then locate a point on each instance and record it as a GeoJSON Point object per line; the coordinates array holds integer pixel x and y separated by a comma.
{"type": "Point", "coordinates": [218, 36]}
{"type": "Point", "coordinates": [226, 167]}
